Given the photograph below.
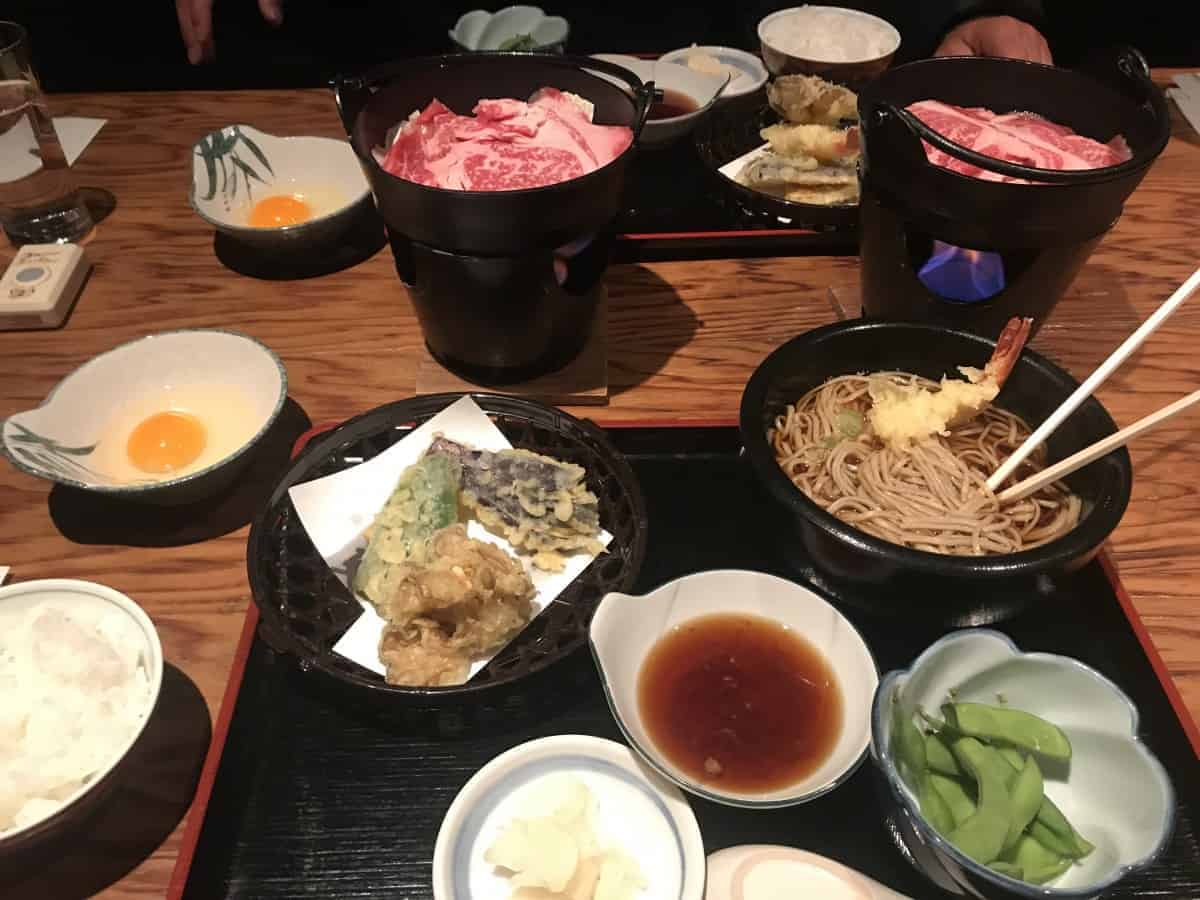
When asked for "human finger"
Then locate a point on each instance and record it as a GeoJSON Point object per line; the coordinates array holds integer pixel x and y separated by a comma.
{"type": "Point", "coordinates": [272, 11]}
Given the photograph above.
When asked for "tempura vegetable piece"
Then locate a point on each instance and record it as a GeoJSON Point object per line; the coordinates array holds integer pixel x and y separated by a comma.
{"type": "Point", "coordinates": [463, 602]}
{"type": "Point", "coordinates": [821, 142]}
{"type": "Point", "coordinates": [424, 500]}
{"type": "Point", "coordinates": [770, 170]}
{"type": "Point", "coordinates": [809, 100]}
{"type": "Point", "coordinates": [903, 416]}
{"type": "Point", "coordinates": [537, 503]}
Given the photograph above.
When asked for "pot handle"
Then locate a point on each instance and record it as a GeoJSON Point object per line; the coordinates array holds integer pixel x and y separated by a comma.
{"type": "Point", "coordinates": [990, 163]}
{"type": "Point", "coordinates": [350, 93]}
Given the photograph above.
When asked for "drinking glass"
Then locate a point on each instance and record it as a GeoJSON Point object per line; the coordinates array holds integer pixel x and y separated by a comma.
{"type": "Point", "coordinates": [39, 201]}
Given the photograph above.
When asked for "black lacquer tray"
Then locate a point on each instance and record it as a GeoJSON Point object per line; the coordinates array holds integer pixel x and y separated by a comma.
{"type": "Point", "coordinates": [312, 794]}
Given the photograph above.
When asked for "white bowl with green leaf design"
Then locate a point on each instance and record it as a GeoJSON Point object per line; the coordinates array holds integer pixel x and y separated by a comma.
{"type": "Point", "coordinates": [226, 387]}
{"type": "Point", "coordinates": [238, 166]}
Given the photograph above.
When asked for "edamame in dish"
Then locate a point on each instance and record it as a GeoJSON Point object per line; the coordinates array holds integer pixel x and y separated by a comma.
{"type": "Point", "coordinates": [976, 775]}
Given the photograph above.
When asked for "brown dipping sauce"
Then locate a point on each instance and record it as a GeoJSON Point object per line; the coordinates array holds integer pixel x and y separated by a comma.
{"type": "Point", "coordinates": [740, 703]}
{"type": "Point", "coordinates": [672, 104]}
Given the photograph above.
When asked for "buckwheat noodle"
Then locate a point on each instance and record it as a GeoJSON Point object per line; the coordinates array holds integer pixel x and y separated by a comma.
{"type": "Point", "coordinates": [932, 496]}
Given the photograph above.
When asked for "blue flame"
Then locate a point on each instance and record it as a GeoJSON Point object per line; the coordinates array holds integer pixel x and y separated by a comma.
{"type": "Point", "coordinates": [966, 276]}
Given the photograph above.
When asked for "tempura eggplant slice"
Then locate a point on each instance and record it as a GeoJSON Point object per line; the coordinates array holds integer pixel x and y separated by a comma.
{"type": "Point", "coordinates": [537, 503]}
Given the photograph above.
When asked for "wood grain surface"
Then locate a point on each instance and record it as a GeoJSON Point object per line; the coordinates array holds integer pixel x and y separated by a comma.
{"type": "Point", "coordinates": [683, 339]}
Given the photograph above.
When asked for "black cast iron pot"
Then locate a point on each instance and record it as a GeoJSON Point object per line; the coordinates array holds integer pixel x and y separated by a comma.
{"type": "Point", "coordinates": [878, 575]}
{"type": "Point", "coordinates": [1045, 231]}
{"type": "Point", "coordinates": [491, 223]}
{"type": "Point", "coordinates": [1109, 98]}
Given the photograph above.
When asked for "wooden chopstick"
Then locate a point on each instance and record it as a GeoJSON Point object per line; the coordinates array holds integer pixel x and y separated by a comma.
{"type": "Point", "coordinates": [1094, 381]}
{"type": "Point", "coordinates": [1096, 450]}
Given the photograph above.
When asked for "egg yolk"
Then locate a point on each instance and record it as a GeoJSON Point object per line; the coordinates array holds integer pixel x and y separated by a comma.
{"type": "Point", "coordinates": [166, 442]}
{"type": "Point", "coordinates": [278, 210]}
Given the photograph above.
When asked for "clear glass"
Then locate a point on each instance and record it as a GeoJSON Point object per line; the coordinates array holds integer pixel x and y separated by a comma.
{"type": "Point", "coordinates": [39, 200]}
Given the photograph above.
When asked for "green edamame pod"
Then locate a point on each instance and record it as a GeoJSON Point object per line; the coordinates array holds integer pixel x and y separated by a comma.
{"type": "Point", "coordinates": [939, 757]}
{"type": "Point", "coordinates": [1063, 846]}
{"type": "Point", "coordinates": [909, 746]}
{"type": "Point", "coordinates": [934, 808]}
{"type": "Point", "coordinates": [1011, 726]}
{"type": "Point", "coordinates": [962, 807]}
{"type": "Point", "coordinates": [1025, 797]}
{"type": "Point", "coordinates": [1038, 863]}
{"type": "Point", "coordinates": [1052, 828]}
{"type": "Point", "coordinates": [982, 835]}
{"type": "Point", "coordinates": [1012, 870]}
{"type": "Point", "coordinates": [1013, 757]}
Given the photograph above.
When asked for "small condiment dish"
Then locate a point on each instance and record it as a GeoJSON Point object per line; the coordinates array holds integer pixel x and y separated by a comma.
{"type": "Point", "coordinates": [852, 72]}
{"type": "Point", "coordinates": [124, 618]}
{"type": "Point", "coordinates": [236, 167]}
{"type": "Point", "coordinates": [625, 628]}
{"type": "Point", "coordinates": [699, 88]}
{"type": "Point", "coordinates": [232, 383]}
{"type": "Point", "coordinates": [769, 871]}
{"type": "Point", "coordinates": [1114, 791]}
{"type": "Point", "coordinates": [749, 74]}
{"type": "Point", "coordinates": [520, 28]}
{"type": "Point", "coordinates": [637, 811]}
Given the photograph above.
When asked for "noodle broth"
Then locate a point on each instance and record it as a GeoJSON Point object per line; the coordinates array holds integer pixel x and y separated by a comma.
{"type": "Point", "coordinates": [930, 497]}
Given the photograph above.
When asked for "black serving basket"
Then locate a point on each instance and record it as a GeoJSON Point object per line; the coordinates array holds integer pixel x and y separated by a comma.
{"type": "Point", "coordinates": [731, 130]}
{"type": "Point", "coordinates": [885, 578]}
{"type": "Point", "coordinates": [304, 609]}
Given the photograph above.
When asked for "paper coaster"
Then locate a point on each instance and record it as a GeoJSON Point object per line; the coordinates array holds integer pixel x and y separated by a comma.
{"type": "Point", "coordinates": [582, 382]}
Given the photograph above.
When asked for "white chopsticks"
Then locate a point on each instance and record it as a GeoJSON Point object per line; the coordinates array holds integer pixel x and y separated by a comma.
{"type": "Point", "coordinates": [1094, 381]}
{"type": "Point", "coordinates": [1096, 450]}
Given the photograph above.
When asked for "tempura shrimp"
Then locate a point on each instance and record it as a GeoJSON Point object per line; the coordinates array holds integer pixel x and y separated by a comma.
{"type": "Point", "coordinates": [902, 416]}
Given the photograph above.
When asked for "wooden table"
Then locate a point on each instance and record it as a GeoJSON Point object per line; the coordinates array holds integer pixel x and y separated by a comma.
{"type": "Point", "coordinates": [684, 338]}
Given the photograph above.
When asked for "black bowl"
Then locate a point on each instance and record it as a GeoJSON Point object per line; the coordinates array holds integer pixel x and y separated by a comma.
{"type": "Point", "coordinates": [865, 571]}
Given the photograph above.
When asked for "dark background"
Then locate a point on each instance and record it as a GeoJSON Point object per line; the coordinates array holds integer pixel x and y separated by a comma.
{"type": "Point", "coordinates": [91, 45]}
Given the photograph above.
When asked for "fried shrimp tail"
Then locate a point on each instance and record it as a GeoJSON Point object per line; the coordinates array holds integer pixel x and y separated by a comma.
{"type": "Point", "coordinates": [904, 416]}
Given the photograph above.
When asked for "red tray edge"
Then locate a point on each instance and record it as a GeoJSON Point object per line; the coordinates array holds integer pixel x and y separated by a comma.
{"type": "Point", "coordinates": [208, 775]}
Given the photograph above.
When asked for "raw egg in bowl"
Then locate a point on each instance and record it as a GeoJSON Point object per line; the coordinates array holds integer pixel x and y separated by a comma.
{"type": "Point", "coordinates": [167, 418]}
{"type": "Point", "coordinates": [274, 192]}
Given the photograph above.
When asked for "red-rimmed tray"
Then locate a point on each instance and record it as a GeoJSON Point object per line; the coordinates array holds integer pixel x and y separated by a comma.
{"type": "Point", "coordinates": [289, 802]}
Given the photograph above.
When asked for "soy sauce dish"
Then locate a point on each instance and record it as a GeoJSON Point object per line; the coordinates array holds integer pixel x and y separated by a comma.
{"type": "Point", "coordinates": [742, 688]}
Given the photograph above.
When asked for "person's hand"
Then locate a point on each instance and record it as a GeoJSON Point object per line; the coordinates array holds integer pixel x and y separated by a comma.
{"type": "Point", "coordinates": [195, 24]}
{"type": "Point", "coordinates": [996, 36]}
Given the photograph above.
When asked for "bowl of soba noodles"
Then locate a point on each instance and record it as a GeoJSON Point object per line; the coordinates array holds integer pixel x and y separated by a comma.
{"type": "Point", "coordinates": [875, 439]}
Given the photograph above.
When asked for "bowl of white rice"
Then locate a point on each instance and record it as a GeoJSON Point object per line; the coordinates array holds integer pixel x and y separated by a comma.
{"type": "Point", "coordinates": [80, 672]}
{"type": "Point", "coordinates": [838, 44]}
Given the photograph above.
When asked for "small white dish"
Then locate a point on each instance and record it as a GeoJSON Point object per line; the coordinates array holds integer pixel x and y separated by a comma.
{"type": "Point", "coordinates": [701, 88]}
{"type": "Point", "coordinates": [749, 72]}
{"type": "Point", "coordinates": [483, 30]}
{"type": "Point", "coordinates": [769, 872]}
{"type": "Point", "coordinates": [126, 618]}
{"type": "Point", "coordinates": [636, 810]}
{"type": "Point", "coordinates": [233, 383]}
{"type": "Point", "coordinates": [1115, 792]}
{"type": "Point", "coordinates": [625, 628]}
{"type": "Point", "coordinates": [237, 166]}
